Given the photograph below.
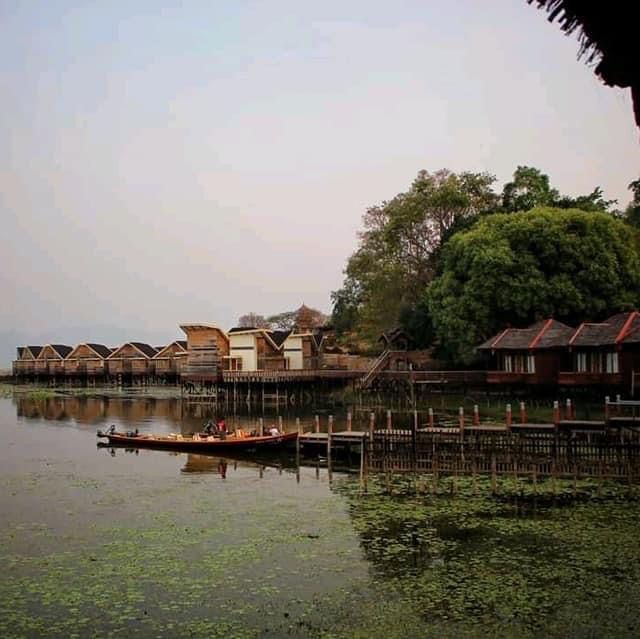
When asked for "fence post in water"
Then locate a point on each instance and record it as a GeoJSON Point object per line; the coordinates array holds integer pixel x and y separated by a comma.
{"type": "Point", "coordinates": [508, 417]}
{"type": "Point", "coordinates": [261, 422]}
{"type": "Point", "coordinates": [329, 433]}
{"type": "Point", "coordinates": [317, 423]}
{"type": "Point", "coordinates": [349, 420]}
{"type": "Point", "coordinates": [476, 415]}
{"type": "Point", "coordinates": [431, 418]}
{"type": "Point", "coordinates": [556, 413]}
{"type": "Point", "coordinates": [388, 420]}
{"type": "Point", "coordinates": [523, 413]}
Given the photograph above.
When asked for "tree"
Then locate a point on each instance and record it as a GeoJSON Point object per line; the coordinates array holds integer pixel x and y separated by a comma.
{"type": "Point", "coordinates": [303, 318]}
{"type": "Point", "coordinates": [529, 188]}
{"type": "Point", "coordinates": [253, 320]}
{"type": "Point", "coordinates": [395, 260]}
{"type": "Point", "coordinates": [632, 214]}
{"type": "Point", "coordinates": [513, 269]}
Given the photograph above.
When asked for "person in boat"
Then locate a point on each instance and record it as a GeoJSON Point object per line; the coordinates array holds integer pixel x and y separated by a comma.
{"type": "Point", "coordinates": [273, 431]}
{"type": "Point", "coordinates": [221, 425]}
{"type": "Point", "coordinates": [209, 428]}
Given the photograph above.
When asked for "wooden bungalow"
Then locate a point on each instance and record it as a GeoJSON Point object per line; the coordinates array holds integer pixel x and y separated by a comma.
{"type": "Point", "coordinates": [255, 349]}
{"type": "Point", "coordinates": [50, 361]}
{"type": "Point", "coordinates": [207, 346]}
{"type": "Point", "coordinates": [132, 358]}
{"type": "Point", "coordinates": [300, 350]}
{"type": "Point", "coordinates": [604, 353]}
{"type": "Point", "coordinates": [532, 355]}
{"type": "Point", "coordinates": [87, 360]}
{"type": "Point", "coordinates": [170, 360]}
{"type": "Point", "coordinates": [25, 364]}
{"type": "Point", "coordinates": [395, 340]}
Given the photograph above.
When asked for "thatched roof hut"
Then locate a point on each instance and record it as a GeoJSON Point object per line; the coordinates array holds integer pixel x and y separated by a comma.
{"type": "Point", "coordinates": [607, 35]}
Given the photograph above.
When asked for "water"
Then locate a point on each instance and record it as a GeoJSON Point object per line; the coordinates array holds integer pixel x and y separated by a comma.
{"type": "Point", "coordinates": [95, 542]}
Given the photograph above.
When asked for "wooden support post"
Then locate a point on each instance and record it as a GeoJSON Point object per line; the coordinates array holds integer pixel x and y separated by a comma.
{"type": "Point", "coordinates": [317, 419]}
{"type": "Point", "coordinates": [329, 437]}
{"type": "Point", "coordinates": [261, 426]}
{"type": "Point", "coordinates": [508, 416]}
{"type": "Point", "coordinates": [606, 408]}
{"type": "Point", "coordinates": [567, 409]}
{"type": "Point", "coordinates": [493, 473]}
{"type": "Point", "coordinates": [617, 404]}
{"type": "Point", "coordinates": [523, 413]}
{"type": "Point", "coordinates": [349, 420]}
{"type": "Point", "coordinates": [431, 419]}
{"type": "Point", "coordinates": [461, 419]}
{"type": "Point", "coordinates": [556, 413]}
{"type": "Point", "coordinates": [280, 424]}
{"type": "Point", "coordinates": [388, 420]}
{"type": "Point", "coordinates": [476, 415]}
{"type": "Point", "coordinates": [372, 423]}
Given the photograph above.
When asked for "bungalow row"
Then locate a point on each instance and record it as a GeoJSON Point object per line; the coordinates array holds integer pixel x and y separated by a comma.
{"type": "Point", "coordinates": [98, 360]}
{"type": "Point", "coordinates": [550, 352]}
{"type": "Point", "coordinates": [207, 352]}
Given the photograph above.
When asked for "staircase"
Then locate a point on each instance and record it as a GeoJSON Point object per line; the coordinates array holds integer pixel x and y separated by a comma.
{"type": "Point", "coordinates": [377, 366]}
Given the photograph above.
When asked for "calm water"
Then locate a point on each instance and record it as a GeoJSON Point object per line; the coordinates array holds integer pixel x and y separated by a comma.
{"type": "Point", "coordinates": [95, 542]}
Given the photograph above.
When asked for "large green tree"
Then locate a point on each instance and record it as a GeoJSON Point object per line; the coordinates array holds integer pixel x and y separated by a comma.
{"type": "Point", "coordinates": [512, 269]}
{"type": "Point", "coordinates": [394, 263]}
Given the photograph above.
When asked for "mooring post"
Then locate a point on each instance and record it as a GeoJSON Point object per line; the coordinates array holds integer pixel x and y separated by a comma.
{"type": "Point", "coordinates": [556, 412]}
{"type": "Point", "coordinates": [261, 422]}
{"type": "Point", "coordinates": [431, 420]}
{"type": "Point", "coordinates": [329, 433]}
{"type": "Point", "coordinates": [317, 423]}
{"type": "Point", "coordinates": [476, 415]}
{"type": "Point", "coordinates": [388, 420]}
{"type": "Point", "coordinates": [523, 413]}
{"type": "Point", "coordinates": [349, 420]}
{"type": "Point", "coordinates": [280, 424]}
{"type": "Point", "coordinates": [508, 416]}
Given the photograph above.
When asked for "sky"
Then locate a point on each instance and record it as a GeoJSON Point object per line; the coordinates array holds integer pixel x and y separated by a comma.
{"type": "Point", "coordinates": [168, 162]}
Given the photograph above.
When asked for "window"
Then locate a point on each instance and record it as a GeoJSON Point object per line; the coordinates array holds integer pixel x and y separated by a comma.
{"type": "Point", "coordinates": [612, 363]}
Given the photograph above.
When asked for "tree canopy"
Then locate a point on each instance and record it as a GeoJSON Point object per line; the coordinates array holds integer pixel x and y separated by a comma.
{"type": "Point", "coordinates": [400, 246]}
{"type": "Point", "coordinates": [512, 269]}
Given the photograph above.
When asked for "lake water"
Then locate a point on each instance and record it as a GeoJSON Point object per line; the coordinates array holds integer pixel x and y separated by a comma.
{"type": "Point", "coordinates": [95, 542]}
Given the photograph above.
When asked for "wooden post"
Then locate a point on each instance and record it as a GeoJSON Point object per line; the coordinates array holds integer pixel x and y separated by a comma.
{"type": "Point", "coordinates": [317, 418]}
{"type": "Point", "coordinates": [372, 422]}
{"type": "Point", "coordinates": [476, 415]}
{"type": "Point", "coordinates": [508, 416]}
{"type": "Point", "coordinates": [261, 423]}
{"type": "Point", "coordinates": [606, 408]}
{"type": "Point", "coordinates": [523, 413]}
{"type": "Point", "coordinates": [461, 419]}
{"type": "Point", "coordinates": [299, 431]}
{"type": "Point", "coordinates": [556, 413]}
{"type": "Point", "coordinates": [493, 473]}
{"type": "Point", "coordinates": [388, 420]}
{"type": "Point", "coordinates": [567, 410]}
{"type": "Point", "coordinates": [349, 420]}
{"type": "Point", "coordinates": [280, 424]}
{"type": "Point", "coordinates": [617, 404]}
{"type": "Point", "coordinates": [431, 420]}
{"type": "Point", "coordinates": [329, 434]}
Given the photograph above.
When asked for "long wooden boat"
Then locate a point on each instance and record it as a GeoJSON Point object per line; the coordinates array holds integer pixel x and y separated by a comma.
{"type": "Point", "coordinates": [198, 441]}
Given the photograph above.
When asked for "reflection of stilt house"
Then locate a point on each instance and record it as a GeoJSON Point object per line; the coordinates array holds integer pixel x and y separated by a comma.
{"type": "Point", "coordinates": [50, 361]}
{"type": "Point", "coordinates": [133, 359]}
{"type": "Point", "coordinates": [87, 360]}
{"type": "Point", "coordinates": [25, 364]}
{"type": "Point", "coordinates": [207, 345]}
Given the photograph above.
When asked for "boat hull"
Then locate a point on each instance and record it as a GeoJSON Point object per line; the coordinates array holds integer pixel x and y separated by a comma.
{"type": "Point", "coordinates": [202, 445]}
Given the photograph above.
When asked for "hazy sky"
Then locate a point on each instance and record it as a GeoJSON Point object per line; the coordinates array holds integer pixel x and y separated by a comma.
{"type": "Point", "coordinates": [163, 162]}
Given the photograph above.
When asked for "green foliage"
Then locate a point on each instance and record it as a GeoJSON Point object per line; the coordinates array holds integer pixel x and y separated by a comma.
{"type": "Point", "coordinates": [512, 269]}
{"type": "Point", "coordinates": [395, 260]}
{"type": "Point", "coordinates": [632, 214]}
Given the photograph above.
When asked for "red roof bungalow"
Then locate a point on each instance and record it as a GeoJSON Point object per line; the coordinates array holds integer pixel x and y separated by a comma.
{"type": "Point", "coordinates": [532, 355]}
{"type": "Point", "coordinates": [604, 353]}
